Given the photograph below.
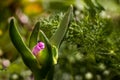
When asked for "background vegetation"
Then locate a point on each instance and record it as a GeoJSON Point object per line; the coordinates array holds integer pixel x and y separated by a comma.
{"type": "Point", "coordinates": [90, 50]}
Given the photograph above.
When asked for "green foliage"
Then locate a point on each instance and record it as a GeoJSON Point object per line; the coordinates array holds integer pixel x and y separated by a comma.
{"type": "Point", "coordinates": [89, 43]}
{"type": "Point", "coordinates": [41, 63]}
{"type": "Point", "coordinates": [57, 38]}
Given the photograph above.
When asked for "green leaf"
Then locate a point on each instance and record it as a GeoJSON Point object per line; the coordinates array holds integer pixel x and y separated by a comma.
{"type": "Point", "coordinates": [60, 33]}
{"type": "Point", "coordinates": [27, 56]}
{"type": "Point", "coordinates": [54, 54]}
{"type": "Point", "coordinates": [34, 36]}
{"type": "Point", "coordinates": [50, 52]}
{"type": "Point", "coordinates": [45, 56]}
{"type": "Point", "coordinates": [43, 37]}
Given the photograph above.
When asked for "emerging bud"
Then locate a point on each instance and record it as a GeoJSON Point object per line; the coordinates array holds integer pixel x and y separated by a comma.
{"type": "Point", "coordinates": [40, 46]}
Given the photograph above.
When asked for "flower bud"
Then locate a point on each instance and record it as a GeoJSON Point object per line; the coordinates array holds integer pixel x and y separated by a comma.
{"type": "Point", "coordinates": [40, 46]}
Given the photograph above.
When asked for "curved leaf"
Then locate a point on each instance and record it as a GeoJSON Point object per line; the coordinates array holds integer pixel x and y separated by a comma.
{"type": "Point", "coordinates": [45, 55]}
{"type": "Point", "coordinates": [54, 54]}
{"type": "Point", "coordinates": [34, 36]}
{"type": "Point", "coordinates": [28, 58]}
{"type": "Point", "coordinates": [60, 33]}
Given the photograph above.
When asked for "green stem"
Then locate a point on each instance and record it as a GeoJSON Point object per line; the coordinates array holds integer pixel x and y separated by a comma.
{"type": "Point", "coordinates": [51, 73]}
{"type": "Point", "coordinates": [41, 74]}
{"type": "Point", "coordinates": [38, 76]}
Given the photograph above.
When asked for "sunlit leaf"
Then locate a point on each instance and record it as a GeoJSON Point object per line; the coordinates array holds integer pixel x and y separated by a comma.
{"type": "Point", "coordinates": [28, 58]}
{"type": "Point", "coordinates": [46, 53]}
{"type": "Point", "coordinates": [60, 33]}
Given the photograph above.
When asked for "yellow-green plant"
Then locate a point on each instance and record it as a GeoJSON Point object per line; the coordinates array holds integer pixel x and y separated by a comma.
{"type": "Point", "coordinates": [40, 57]}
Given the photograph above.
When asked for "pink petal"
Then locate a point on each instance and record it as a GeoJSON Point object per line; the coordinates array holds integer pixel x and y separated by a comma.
{"type": "Point", "coordinates": [40, 46]}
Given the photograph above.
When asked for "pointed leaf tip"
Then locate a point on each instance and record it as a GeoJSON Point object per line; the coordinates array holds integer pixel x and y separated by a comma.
{"type": "Point", "coordinates": [19, 44]}
{"type": "Point", "coordinates": [57, 38]}
{"type": "Point", "coordinates": [34, 36]}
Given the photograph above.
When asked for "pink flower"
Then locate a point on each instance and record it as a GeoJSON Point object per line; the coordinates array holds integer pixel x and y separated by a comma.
{"type": "Point", "coordinates": [40, 46]}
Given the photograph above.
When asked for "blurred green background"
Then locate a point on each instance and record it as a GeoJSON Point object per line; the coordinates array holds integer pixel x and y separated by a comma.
{"type": "Point", "coordinates": [90, 51]}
